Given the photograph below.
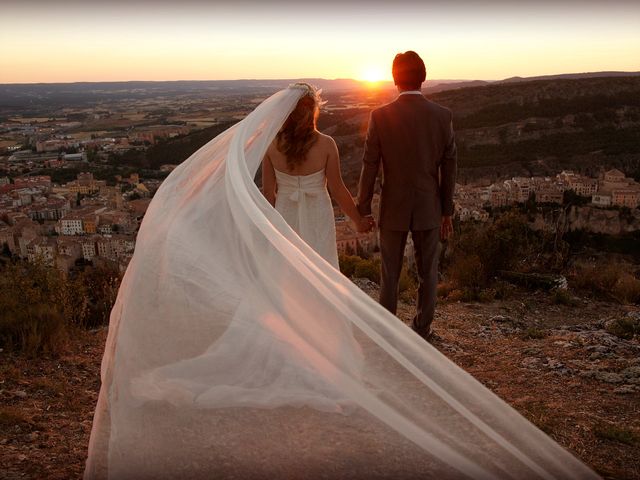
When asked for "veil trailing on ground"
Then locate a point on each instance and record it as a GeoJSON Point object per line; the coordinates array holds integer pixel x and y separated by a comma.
{"type": "Point", "coordinates": [234, 350]}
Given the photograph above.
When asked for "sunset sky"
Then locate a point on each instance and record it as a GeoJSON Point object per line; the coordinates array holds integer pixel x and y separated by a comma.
{"type": "Point", "coordinates": [64, 41]}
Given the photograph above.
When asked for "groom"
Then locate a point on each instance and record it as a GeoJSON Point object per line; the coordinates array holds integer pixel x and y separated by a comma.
{"type": "Point", "coordinates": [413, 139]}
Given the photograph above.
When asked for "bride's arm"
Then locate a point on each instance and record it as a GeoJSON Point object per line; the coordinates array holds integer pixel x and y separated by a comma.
{"type": "Point", "coordinates": [268, 180]}
{"type": "Point", "coordinates": [339, 191]}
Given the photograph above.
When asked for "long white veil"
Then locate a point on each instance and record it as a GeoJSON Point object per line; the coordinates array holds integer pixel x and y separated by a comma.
{"type": "Point", "coordinates": [235, 351]}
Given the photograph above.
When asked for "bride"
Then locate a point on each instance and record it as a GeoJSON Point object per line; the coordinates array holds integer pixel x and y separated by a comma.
{"type": "Point", "coordinates": [236, 349]}
{"type": "Point", "coordinates": [298, 166]}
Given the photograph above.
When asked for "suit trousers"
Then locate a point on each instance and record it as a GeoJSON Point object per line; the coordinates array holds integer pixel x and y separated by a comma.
{"type": "Point", "coordinates": [426, 247]}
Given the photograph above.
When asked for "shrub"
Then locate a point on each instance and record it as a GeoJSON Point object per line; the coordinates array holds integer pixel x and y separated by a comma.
{"type": "Point", "coordinates": [613, 280]}
{"type": "Point", "coordinates": [353, 266]}
{"type": "Point", "coordinates": [408, 285]}
{"type": "Point", "coordinates": [616, 434]}
{"type": "Point", "coordinates": [348, 264]}
{"type": "Point", "coordinates": [487, 295]}
{"type": "Point", "coordinates": [481, 251]}
{"type": "Point", "coordinates": [504, 290]}
{"type": "Point", "coordinates": [34, 329]}
{"type": "Point", "coordinates": [368, 269]}
{"type": "Point", "coordinates": [563, 297]}
{"type": "Point", "coordinates": [626, 289]}
{"type": "Point", "coordinates": [624, 328]}
{"type": "Point", "coordinates": [444, 290]}
{"type": "Point", "coordinates": [468, 274]}
{"type": "Point", "coordinates": [533, 333]}
{"type": "Point", "coordinates": [40, 307]}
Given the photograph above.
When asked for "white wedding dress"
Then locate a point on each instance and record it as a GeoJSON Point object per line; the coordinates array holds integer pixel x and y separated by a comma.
{"type": "Point", "coordinates": [304, 202]}
{"type": "Point", "coordinates": [235, 350]}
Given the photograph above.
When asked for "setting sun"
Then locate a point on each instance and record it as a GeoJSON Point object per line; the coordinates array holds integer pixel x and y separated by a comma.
{"type": "Point", "coordinates": [373, 74]}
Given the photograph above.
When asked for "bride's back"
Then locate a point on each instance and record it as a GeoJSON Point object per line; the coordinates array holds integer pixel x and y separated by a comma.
{"type": "Point", "coordinates": [314, 161]}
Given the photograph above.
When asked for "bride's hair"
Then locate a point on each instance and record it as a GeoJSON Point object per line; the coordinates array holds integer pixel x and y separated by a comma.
{"type": "Point", "coordinates": [297, 135]}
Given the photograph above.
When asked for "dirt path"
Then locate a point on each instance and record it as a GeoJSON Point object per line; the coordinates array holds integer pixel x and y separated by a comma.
{"type": "Point", "coordinates": [555, 364]}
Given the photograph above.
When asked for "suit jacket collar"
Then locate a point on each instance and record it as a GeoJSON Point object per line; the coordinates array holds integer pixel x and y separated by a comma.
{"type": "Point", "coordinates": [410, 98]}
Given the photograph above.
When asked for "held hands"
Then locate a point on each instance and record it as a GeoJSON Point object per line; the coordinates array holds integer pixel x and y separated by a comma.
{"type": "Point", "coordinates": [446, 228]}
{"type": "Point", "coordinates": [365, 224]}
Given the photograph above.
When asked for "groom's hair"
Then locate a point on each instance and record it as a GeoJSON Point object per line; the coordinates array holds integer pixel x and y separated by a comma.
{"type": "Point", "coordinates": [408, 70]}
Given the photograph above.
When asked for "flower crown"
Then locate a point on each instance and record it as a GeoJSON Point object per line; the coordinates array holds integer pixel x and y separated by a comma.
{"type": "Point", "coordinates": [309, 90]}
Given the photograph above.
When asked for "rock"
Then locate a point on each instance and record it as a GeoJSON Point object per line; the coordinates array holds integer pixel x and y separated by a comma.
{"type": "Point", "coordinates": [631, 372]}
{"type": "Point", "coordinates": [20, 393]}
{"type": "Point", "coordinates": [625, 389]}
{"type": "Point", "coordinates": [608, 377]}
{"type": "Point", "coordinates": [598, 348]}
{"type": "Point", "coordinates": [530, 362]}
{"type": "Point", "coordinates": [634, 316]}
{"type": "Point", "coordinates": [365, 284]}
{"type": "Point", "coordinates": [553, 364]}
{"type": "Point", "coordinates": [532, 351]}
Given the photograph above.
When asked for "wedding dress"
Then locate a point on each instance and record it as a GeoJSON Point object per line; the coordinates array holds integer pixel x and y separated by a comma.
{"type": "Point", "coordinates": [235, 350]}
{"type": "Point", "coordinates": [304, 202]}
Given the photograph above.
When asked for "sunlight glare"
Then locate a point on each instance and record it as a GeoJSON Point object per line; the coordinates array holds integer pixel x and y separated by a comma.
{"type": "Point", "coordinates": [372, 74]}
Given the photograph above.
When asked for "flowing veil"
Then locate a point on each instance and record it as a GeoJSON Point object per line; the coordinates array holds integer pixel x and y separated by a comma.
{"type": "Point", "coordinates": [234, 350]}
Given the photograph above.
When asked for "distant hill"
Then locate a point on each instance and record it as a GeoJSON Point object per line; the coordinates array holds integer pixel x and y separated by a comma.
{"type": "Point", "coordinates": [565, 76]}
{"type": "Point", "coordinates": [28, 95]}
{"type": "Point", "coordinates": [533, 127]}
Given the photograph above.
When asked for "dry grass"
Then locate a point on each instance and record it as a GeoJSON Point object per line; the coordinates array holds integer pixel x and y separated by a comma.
{"type": "Point", "coordinates": [45, 433]}
{"type": "Point", "coordinates": [610, 280]}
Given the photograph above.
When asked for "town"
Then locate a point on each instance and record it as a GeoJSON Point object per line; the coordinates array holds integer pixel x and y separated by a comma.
{"type": "Point", "coordinates": [76, 178]}
{"type": "Point", "coordinates": [86, 220]}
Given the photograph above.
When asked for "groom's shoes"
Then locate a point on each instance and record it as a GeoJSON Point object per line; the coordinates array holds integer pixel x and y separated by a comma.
{"type": "Point", "coordinates": [429, 335]}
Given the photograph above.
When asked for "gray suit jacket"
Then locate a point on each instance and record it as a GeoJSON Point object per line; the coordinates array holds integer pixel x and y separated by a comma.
{"type": "Point", "coordinates": [413, 138]}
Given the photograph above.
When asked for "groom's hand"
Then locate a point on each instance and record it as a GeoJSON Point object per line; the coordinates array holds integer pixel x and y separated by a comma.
{"type": "Point", "coordinates": [446, 228]}
{"type": "Point", "coordinates": [366, 224]}
{"type": "Point", "coordinates": [371, 222]}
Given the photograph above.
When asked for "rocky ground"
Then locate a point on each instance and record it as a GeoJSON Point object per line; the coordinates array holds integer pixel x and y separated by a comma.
{"type": "Point", "coordinates": [556, 364]}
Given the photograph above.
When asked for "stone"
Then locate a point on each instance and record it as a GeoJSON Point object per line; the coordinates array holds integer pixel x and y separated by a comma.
{"type": "Point", "coordinates": [631, 372]}
{"type": "Point", "coordinates": [625, 389]}
{"type": "Point", "coordinates": [598, 348]}
{"type": "Point", "coordinates": [530, 362]}
{"type": "Point", "coordinates": [608, 377]}
{"type": "Point", "coordinates": [634, 316]}
{"type": "Point", "coordinates": [554, 364]}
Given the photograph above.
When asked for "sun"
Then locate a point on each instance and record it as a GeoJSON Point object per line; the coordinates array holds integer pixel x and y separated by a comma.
{"type": "Point", "coordinates": [372, 74]}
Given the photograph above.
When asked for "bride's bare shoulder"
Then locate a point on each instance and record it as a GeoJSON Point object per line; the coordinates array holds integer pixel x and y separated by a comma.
{"type": "Point", "coordinates": [326, 141]}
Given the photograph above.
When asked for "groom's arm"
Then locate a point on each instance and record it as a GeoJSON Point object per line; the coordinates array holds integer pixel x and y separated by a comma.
{"type": "Point", "coordinates": [448, 167]}
{"type": "Point", "coordinates": [370, 168]}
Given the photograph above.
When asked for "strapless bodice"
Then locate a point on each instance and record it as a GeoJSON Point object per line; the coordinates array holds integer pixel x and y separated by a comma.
{"type": "Point", "coordinates": [295, 185]}
{"type": "Point", "coordinates": [304, 202]}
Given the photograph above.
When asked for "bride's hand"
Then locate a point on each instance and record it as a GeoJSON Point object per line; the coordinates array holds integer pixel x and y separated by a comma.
{"type": "Point", "coordinates": [365, 224]}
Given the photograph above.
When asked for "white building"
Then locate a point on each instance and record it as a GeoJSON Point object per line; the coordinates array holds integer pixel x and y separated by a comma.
{"type": "Point", "coordinates": [601, 199]}
{"type": "Point", "coordinates": [89, 249]}
{"type": "Point", "coordinates": [71, 225]}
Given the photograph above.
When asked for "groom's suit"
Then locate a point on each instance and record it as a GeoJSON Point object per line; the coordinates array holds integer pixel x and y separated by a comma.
{"type": "Point", "coordinates": [413, 139]}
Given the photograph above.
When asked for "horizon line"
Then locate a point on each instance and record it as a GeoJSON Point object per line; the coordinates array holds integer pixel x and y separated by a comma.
{"type": "Point", "coordinates": [320, 78]}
